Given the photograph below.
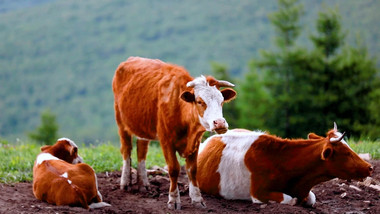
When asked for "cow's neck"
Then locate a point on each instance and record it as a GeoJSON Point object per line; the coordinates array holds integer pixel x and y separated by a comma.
{"type": "Point", "coordinates": [309, 167]}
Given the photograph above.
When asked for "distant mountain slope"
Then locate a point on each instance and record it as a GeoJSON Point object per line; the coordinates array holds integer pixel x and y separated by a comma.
{"type": "Point", "coordinates": [62, 54]}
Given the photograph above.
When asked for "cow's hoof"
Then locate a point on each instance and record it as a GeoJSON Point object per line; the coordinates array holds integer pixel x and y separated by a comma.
{"type": "Point", "coordinates": [144, 189]}
{"type": "Point", "coordinates": [126, 188]}
{"type": "Point", "coordinates": [201, 205]}
{"type": "Point", "coordinates": [174, 206]}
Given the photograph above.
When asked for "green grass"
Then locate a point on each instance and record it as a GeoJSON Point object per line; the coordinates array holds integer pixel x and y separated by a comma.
{"type": "Point", "coordinates": [16, 161]}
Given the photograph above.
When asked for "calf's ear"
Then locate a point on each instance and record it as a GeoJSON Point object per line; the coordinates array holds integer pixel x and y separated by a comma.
{"type": "Point", "coordinates": [228, 94]}
{"type": "Point", "coordinates": [74, 150]}
{"type": "Point", "coordinates": [327, 152]}
{"type": "Point", "coordinates": [314, 136]}
{"type": "Point", "coordinates": [187, 96]}
{"type": "Point", "coordinates": [43, 148]}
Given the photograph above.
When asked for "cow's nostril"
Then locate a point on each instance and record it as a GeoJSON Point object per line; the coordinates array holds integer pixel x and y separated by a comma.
{"type": "Point", "coordinates": [370, 168]}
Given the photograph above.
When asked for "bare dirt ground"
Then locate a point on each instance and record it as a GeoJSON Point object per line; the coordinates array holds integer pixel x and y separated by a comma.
{"type": "Point", "coordinates": [335, 196]}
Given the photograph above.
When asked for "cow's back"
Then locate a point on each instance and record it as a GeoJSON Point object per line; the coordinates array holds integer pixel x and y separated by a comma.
{"type": "Point", "coordinates": [142, 87]}
{"type": "Point", "coordinates": [61, 183]}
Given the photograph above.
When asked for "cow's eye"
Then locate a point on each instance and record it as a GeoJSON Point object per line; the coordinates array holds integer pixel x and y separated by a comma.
{"type": "Point", "coordinates": [199, 102]}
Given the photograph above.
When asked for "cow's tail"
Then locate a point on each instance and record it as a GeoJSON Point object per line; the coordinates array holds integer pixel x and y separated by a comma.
{"type": "Point", "coordinates": [99, 205]}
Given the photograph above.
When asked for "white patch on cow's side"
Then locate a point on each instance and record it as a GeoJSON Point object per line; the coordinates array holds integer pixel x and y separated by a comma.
{"type": "Point", "coordinates": [45, 156]}
{"type": "Point", "coordinates": [126, 173]}
{"type": "Point", "coordinates": [235, 178]}
{"type": "Point", "coordinates": [69, 181]}
{"type": "Point", "coordinates": [65, 175]}
{"type": "Point", "coordinates": [255, 200]}
{"type": "Point", "coordinates": [311, 199]}
{"type": "Point", "coordinates": [195, 193]}
{"type": "Point", "coordinates": [68, 140]}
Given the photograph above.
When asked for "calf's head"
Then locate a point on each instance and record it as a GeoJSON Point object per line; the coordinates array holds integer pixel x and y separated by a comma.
{"type": "Point", "coordinates": [208, 100]}
{"type": "Point", "coordinates": [64, 149]}
{"type": "Point", "coordinates": [340, 160]}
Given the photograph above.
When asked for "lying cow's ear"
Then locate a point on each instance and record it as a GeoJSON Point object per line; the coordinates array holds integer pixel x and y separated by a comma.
{"type": "Point", "coordinates": [188, 96]}
{"type": "Point", "coordinates": [327, 152]}
{"type": "Point", "coordinates": [228, 94]}
{"type": "Point", "coordinates": [73, 151]}
{"type": "Point", "coordinates": [43, 148]}
{"type": "Point", "coordinates": [314, 136]}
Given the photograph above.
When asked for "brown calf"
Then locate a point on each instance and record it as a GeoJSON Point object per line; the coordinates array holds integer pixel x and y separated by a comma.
{"type": "Point", "coordinates": [260, 167]}
{"type": "Point", "coordinates": [159, 101]}
{"type": "Point", "coordinates": [60, 177]}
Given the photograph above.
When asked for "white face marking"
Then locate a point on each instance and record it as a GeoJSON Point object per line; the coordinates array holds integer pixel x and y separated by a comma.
{"type": "Point", "coordinates": [79, 159]}
{"type": "Point", "coordinates": [213, 99]}
{"type": "Point", "coordinates": [68, 140]}
{"type": "Point", "coordinates": [45, 156]}
{"type": "Point", "coordinates": [235, 178]}
{"type": "Point", "coordinates": [338, 135]}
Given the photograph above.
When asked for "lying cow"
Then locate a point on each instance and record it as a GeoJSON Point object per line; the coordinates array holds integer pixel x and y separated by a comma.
{"type": "Point", "coordinates": [242, 164]}
{"type": "Point", "coordinates": [60, 177]}
{"type": "Point", "coordinates": [160, 101]}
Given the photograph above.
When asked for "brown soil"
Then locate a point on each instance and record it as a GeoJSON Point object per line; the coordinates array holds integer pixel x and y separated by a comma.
{"type": "Point", "coordinates": [335, 196]}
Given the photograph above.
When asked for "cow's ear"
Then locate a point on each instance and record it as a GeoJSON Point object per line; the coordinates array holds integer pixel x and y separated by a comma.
{"type": "Point", "coordinates": [228, 94]}
{"type": "Point", "coordinates": [44, 148]}
{"type": "Point", "coordinates": [73, 151]}
{"type": "Point", "coordinates": [327, 152]}
{"type": "Point", "coordinates": [314, 136]}
{"type": "Point", "coordinates": [188, 96]}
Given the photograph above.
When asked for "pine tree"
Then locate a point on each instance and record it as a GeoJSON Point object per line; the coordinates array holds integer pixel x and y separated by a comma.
{"type": "Point", "coordinates": [46, 133]}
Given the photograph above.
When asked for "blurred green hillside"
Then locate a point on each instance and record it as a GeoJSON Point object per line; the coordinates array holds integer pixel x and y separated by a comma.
{"type": "Point", "coordinates": [61, 55]}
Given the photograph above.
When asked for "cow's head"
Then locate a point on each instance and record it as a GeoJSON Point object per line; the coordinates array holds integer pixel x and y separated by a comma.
{"type": "Point", "coordinates": [340, 160]}
{"type": "Point", "coordinates": [209, 100]}
{"type": "Point", "coordinates": [64, 149]}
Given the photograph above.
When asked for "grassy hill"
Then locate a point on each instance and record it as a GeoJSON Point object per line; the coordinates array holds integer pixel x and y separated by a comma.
{"type": "Point", "coordinates": [61, 55]}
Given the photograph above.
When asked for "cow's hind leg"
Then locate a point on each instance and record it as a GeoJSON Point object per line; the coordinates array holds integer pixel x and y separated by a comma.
{"type": "Point", "coordinates": [194, 191]}
{"type": "Point", "coordinates": [174, 169]}
{"type": "Point", "coordinates": [125, 149]}
{"type": "Point", "coordinates": [142, 178]}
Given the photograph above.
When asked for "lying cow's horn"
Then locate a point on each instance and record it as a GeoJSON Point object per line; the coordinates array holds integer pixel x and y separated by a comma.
{"type": "Point", "coordinates": [339, 139]}
{"type": "Point", "coordinates": [223, 83]}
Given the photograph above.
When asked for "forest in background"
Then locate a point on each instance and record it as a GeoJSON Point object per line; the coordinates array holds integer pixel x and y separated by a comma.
{"type": "Point", "coordinates": [61, 55]}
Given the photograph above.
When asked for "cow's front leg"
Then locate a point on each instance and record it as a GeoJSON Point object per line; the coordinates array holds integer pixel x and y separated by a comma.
{"type": "Point", "coordinates": [278, 197]}
{"type": "Point", "coordinates": [194, 191]}
{"type": "Point", "coordinates": [174, 169]}
{"type": "Point", "coordinates": [142, 178]}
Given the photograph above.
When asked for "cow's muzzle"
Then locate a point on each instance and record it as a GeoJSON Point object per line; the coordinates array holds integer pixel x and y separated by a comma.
{"type": "Point", "coordinates": [220, 126]}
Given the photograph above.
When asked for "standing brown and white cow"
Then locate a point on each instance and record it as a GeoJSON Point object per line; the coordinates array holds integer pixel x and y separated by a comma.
{"type": "Point", "coordinates": [159, 101]}
{"type": "Point", "coordinates": [247, 165]}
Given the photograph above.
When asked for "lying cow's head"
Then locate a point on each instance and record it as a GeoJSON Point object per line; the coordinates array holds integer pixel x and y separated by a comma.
{"type": "Point", "coordinates": [340, 160]}
{"type": "Point", "coordinates": [209, 100]}
{"type": "Point", "coordinates": [64, 149]}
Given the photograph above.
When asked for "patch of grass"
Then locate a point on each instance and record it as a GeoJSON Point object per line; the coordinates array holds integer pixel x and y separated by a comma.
{"type": "Point", "coordinates": [16, 161]}
{"type": "Point", "coordinates": [366, 146]}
